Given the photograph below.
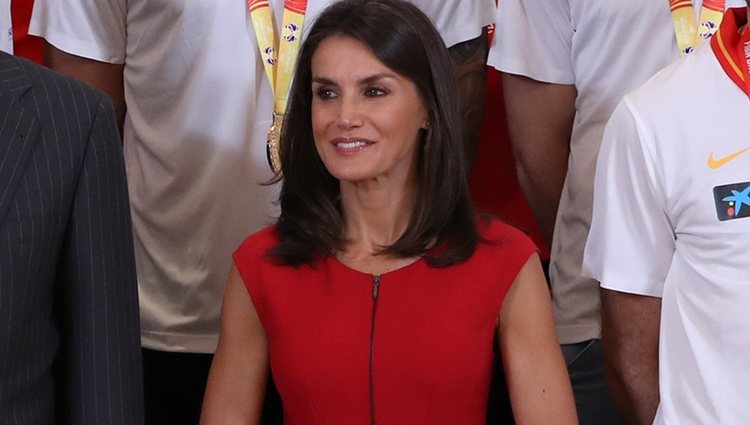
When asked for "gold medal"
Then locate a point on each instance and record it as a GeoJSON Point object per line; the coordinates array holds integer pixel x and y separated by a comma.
{"type": "Point", "coordinates": [279, 58]}
{"type": "Point", "coordinates": [273, 143]}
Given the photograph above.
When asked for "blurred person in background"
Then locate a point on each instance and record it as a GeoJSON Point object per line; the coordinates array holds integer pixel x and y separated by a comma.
{"type": "Point", "coordinates": [565, 67]}
{"type": "Point", "coordinates": [669, 238]}
{"type": "Point", "coordinates": [68, 298]}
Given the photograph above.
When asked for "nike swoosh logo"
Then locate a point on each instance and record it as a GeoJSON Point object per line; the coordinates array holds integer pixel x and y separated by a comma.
{"type": "Point", "coordinates": [717, 163]}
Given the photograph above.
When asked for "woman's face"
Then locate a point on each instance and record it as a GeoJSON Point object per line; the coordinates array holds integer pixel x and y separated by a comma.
{"type": "Point", "coordinates": [366, 118]}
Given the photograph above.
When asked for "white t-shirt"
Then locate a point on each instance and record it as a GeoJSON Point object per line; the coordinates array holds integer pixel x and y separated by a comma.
{"type": "Point", "coordinates": [657, 231]}
{"type": "Point", "coordinates": [199, 107]}
{"type": "Point", "coordinates": [606, 49]}
{"type": "Point", "coordinates": [6, 27]}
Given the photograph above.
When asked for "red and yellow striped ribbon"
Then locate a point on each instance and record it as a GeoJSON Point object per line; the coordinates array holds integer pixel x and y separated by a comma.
{"type": "Point", "coordinates": [690, 33]}
{"type": "Point", "coordinates": [279, 55]}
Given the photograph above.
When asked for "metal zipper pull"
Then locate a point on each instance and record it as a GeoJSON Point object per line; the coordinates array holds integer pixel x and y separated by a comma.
{"type": "Point", "coordinates": [375, 286]}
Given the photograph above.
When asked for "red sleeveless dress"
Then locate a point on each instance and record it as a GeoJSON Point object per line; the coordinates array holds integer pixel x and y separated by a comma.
{"type": "Point", "coordinates": [412, 346]}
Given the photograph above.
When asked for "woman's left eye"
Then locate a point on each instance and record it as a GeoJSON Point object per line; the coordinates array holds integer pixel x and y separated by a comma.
{"type": "Point", "coordinates": [375, 91]}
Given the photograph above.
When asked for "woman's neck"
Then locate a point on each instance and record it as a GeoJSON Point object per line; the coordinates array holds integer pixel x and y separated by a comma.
{"type": "Point", "coordinates": [376, 214]}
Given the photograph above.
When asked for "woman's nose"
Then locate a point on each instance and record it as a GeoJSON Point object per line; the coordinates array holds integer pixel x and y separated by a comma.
{"type": "Point", "coordinates": [349, 113]}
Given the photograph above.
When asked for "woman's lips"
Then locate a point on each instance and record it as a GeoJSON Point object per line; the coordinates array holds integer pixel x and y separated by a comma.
{"type": "Point", "coordinates": [351, 145]}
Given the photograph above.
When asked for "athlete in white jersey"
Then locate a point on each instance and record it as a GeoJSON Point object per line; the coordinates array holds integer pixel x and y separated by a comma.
{"type": "Point", "coordinates": [566, 64]}
{"type": "Point", "coordinates": [669, 238]}
{"type": "Point", "coordinates": [195, 104]}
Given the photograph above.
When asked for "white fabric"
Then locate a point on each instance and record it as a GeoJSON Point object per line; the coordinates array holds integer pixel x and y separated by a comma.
{"type": "Point", "coordinates": [6, 27]}
{"type": "Point", "coordinates": [606, 49]}
{"type": "Point", "coordinates": [199, 107]}
{"type": "Point", "coordinates": [458, 20]}
{"type": "Point", "coordinates": [656, 232]}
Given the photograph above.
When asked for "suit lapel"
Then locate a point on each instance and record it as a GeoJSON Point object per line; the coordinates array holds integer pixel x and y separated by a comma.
{"type": "Point", "coordinates": [18, 129]}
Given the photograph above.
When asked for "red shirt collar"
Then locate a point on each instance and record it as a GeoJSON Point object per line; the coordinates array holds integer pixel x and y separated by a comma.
{"type": "Point", "coordinates": [728, 46]}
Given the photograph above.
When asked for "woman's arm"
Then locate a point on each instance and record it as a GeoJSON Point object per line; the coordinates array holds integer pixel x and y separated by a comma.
{"type": "Point", "coordinates": [538, 381]}
{"type": "Point", "coordinates": [237, 381]}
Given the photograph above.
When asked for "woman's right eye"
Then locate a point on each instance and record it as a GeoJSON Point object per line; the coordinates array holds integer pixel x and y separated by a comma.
{"type": "Point", "coordinates": [325, 93]}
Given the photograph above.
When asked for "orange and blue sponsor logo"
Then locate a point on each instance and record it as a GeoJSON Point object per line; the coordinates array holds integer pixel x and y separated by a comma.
{"type": "Point", "coordinates": [732, 201]}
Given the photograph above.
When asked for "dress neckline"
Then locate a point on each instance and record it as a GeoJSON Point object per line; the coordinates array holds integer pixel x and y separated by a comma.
{"type": "Point", "coordinates": [332, 259]}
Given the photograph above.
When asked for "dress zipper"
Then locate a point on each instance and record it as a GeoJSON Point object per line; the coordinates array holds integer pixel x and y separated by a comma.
{"type": "Point", "coordinates": [375, 289]}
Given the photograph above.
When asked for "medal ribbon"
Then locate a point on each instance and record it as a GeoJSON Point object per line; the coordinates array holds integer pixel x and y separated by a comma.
{"type": "Point", "coordinates": [690, 33]}
{"type": "Point", "coordinates": [279, 55]}
{"type": "Point", "coordinates": [731, 45]}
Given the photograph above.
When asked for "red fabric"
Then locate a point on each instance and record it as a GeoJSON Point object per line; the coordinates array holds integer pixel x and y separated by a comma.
{"type": "Point", "coordinates": [728, 45]}
{"type": "Point", "coordinates": [493, 181]}
{"type": "Point", "coordinates": [24, 45]}
{"type": "Point", "coordinates": [432, 343]}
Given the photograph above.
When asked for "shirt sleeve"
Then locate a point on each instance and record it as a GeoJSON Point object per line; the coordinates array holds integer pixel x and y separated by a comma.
{"type": "Point", "coordinates": [251, 259]}
{"type": "Point", "coordinates": [6, 28]}
{"type": "Point", "coordinates": [94, 29]}
{"type": "Point", "coordinates": [533, 38]}
{"type": "Point", "coordinates": [458, 20]}
{"type": "Point", "coordinates": [631, 241]}
{"type": "Point", "coordinates": [97, 294]}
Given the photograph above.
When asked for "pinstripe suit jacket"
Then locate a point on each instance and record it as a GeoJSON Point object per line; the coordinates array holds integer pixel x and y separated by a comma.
{"type": "Point", "coordinates": [69, 344]}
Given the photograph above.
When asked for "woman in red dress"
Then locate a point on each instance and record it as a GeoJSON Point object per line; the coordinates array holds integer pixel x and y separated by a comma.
{"type": "Point", "coordinates": [378, 296]}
